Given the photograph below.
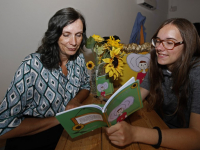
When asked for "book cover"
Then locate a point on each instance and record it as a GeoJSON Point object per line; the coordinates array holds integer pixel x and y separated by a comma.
{"type": "Point", "coordinates": [83, 119]}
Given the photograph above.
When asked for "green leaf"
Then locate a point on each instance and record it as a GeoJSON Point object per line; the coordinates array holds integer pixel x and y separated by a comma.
{"type": "Point", "coordinates": [106, 55]}
{"type": "Point", "coordinates": [90, 43]}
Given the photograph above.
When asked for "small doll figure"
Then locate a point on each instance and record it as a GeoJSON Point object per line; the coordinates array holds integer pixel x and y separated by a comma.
{"type": "Point", "coordinates": [138, 63]}
{"type": "Point", "coordinates": [102, 91]}
{"type": "Point", "coordinates": [121, 115]}
{"type": "Point", "coordinates": [143, 66]}
{"type": "Point", "coordinates": [118, 113]}
{"type": "Point", "coordinates": [102, 87]}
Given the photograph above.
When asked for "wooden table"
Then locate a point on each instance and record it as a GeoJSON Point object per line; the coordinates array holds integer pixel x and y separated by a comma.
{"type": "Point", "coordinates": [97, 140]}
{"type": "Point", "coordinates": [2, 143]}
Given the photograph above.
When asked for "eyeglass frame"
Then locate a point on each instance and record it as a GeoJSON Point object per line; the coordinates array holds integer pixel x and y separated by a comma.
{"type": "Point", "coordinates": [161, 41]}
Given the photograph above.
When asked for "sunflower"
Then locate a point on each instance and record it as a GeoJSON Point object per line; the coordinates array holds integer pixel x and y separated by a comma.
{"type": "Point", "coordinates": [114, 43]}
{"type": "Point", "coordinates": [114, 64]}
{"type": "Point", "coordinates": [135, 85]}
{"type": "Point", "coordinates": [90, 65]}
{"type": "Point", "coordinates": [97, 38]}
{"type": "Point", "coordinates": [78, 127]}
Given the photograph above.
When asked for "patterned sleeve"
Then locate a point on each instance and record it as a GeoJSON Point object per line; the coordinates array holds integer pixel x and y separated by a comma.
{"type": "Point", "coordinates": [85, 82]}
{"type": "Point", "coordinates": [11, 108]}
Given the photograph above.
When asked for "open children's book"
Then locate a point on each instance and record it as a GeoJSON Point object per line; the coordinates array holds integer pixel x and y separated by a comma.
{"type": "Point", "coordinates": [126, 100]}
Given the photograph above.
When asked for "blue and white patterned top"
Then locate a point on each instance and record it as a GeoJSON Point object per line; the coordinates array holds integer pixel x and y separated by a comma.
{"type": "Point", "coordinates": [38, 92]}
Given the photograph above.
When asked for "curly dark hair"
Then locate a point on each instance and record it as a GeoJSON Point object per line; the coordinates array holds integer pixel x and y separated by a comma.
{"type": "Point", "coordinates": [180, 69]}
{"type": "Point", "coordinates": [49, 48]}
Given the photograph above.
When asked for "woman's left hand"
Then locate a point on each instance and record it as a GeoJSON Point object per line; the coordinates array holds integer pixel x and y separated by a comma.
{"type": "Point", "coordinates": [73, 103]}
{"type": "Point", "coordinates": [78, 99]}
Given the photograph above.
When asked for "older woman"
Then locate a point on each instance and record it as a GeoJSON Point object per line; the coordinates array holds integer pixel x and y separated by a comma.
{"type": "Point", "coordinates": [172, 85]}
{"type": "Point", "coordinates": [49, 81]}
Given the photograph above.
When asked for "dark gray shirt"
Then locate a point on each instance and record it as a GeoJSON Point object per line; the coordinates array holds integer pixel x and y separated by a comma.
{"type": "Point", "coordinates": [170, 100]}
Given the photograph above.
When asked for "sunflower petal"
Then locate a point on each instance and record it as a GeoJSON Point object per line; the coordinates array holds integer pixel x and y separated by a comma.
{"type": "Point", "coordinates": [107, 60]}
{"type": "Point", "coordinates": [107, 69]}
{"type": "Point", "coordinates": [110, 73]}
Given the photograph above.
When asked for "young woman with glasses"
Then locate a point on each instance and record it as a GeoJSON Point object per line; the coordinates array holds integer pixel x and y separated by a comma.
{"type": "Point", "coordinates": [172, 89]}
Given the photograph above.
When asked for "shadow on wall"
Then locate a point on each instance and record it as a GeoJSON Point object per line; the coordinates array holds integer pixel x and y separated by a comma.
{"type": "Point", "coordinates": [197, 26]}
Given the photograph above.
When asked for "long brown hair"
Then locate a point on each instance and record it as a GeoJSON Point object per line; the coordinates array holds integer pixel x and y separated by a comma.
{"type": "Point", "coordinates": [180, 68]}
{"type": "Point", "coordinates": [49, 45]}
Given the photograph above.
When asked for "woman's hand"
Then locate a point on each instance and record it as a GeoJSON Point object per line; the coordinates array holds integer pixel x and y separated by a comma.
{"type": "Point", "coordinates": [31, 126]}
{"type": "Point", "coordinates": [73, 103]}
{"type": "Point", "coordinates": [78, 99]}
{"type": "Point", "coordinates": [121, 133]}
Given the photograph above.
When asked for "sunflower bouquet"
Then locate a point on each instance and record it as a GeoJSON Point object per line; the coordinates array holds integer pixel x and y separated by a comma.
{"type": "Point", "coordinates": [108, 56]}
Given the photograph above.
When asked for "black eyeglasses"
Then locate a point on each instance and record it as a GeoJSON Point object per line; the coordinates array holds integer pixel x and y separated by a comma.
{"type": "Point", "coordinates": [168, 44]}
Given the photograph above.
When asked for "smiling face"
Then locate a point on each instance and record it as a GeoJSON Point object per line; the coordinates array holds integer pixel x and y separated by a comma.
{"type": "Point", "coordinates": [70, 40]}
{"type": "Point", "coordinates": [164, 56]}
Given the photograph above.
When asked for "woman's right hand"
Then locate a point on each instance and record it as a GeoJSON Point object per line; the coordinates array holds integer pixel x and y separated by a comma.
{"type": "Point", "coordinates": [121, 133]}
{"type": "Point", "coordinates": [30, 126]}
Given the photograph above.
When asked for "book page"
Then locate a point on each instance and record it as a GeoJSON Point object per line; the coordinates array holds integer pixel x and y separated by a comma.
{"type": "Point", "coordinates": [124, 103]}
{"type": "Point", "coordinates": [82, 119]}
{"type": "Point", "coordinates": [130, 81]}
{"type": "Point", "coordinates": [90, 105]}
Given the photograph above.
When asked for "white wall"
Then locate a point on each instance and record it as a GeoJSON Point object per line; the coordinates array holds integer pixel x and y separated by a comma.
{"type": "Point", "coordinates": [23, 23]}
{"type": "Point", "coordinates": [188, 9]}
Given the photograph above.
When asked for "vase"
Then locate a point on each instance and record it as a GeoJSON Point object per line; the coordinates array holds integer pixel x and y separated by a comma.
{"type": "Point", "coordinates": [96, 72]}
{"type": "Point", "coordinates": [98, 76]}
{"type": "Point", "coordinates": [100, 70]}
{"type": "Point", "coordinates": [93, 86]}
